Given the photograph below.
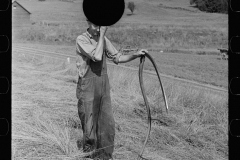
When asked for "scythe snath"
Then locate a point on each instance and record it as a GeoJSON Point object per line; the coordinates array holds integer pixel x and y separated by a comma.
{"type": "Point", "coordinates": [142, 59]}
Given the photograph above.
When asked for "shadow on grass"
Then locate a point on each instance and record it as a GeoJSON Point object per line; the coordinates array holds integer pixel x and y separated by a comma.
{"type": "Point", "coordinates": [194, 6]}
{"type": "Point", "coordinates": [130, 14]}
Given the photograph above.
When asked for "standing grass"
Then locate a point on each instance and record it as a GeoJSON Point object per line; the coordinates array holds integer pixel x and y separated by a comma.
{"type": "Point", "coordinates": [53, 33]}
{"type": "Point", "coordinates": [167, 28]}
{"type": "Point", "coordinates": [168, 37]}
{"type": "Point", "coordinates": [196, 126]}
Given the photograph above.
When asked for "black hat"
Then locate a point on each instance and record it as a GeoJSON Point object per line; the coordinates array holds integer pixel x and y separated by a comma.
{"type": "Point", "coordinates": [103, 12]}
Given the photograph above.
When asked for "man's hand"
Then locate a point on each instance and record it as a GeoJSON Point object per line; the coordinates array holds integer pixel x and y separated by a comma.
{"type": "Point", "coordinates": [128, 58]}
{"type": "Point", "coordinates": [103, 30]}
{"type": "Point", "coordinates": [141, 52]}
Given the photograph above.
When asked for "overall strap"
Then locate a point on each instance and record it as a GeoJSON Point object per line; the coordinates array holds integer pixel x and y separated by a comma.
{"type": "Point", "coordinates": [97, 68]}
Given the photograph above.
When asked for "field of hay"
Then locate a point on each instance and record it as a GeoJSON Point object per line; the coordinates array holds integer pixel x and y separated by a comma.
{"type": "Point", "coordinates": [199, 66]}
{"type": "Point", "coordinates": [45, 124]}
{"type": "Point", "coordinates": [188, 38]}
{"type": "Point", "coordinates": [155, 23]}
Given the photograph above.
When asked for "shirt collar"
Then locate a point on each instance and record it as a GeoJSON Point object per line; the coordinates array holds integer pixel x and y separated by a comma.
{"type": "Point", "coordinates": [88, 34]}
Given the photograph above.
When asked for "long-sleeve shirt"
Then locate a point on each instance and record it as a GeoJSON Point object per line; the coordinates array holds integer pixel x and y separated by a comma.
{"type": "Point", "coordinates": [85, 49]}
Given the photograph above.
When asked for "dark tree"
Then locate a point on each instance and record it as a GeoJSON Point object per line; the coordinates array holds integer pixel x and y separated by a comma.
{"type": "Point", "coordinates": [131, 6]}
{"type": "Point", "coordinates": [212, 6]}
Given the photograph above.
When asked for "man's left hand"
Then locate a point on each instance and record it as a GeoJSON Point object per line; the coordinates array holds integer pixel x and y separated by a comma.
{"type": "Point", "coordinates": [141, 52]}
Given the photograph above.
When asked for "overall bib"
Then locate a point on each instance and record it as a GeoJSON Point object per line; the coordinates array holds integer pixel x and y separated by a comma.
{"type": "Point", "coordinates": [95, 111]}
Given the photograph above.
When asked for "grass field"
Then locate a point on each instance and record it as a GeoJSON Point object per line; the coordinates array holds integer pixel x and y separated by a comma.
{"type": "Point", "coordinates": [201, 66]}
{"type": "Point", "coordinates": [171, 26]}
{"type": "Point", "coordinates": [45, 124]}
{"type": "Point", "coordinates": [151, 25]}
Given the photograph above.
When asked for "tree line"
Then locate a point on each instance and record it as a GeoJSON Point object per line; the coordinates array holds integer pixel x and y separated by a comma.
{"type": "Point", "coordinates": [212, 6]}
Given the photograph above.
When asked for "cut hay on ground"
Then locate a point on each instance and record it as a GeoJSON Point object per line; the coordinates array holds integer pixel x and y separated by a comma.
{"type": "Point", "coordinates": [46, 125]}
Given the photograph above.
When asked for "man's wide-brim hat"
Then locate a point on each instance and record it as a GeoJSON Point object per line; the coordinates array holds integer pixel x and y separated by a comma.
{"type": "Point", "coordinates": [103, 12]}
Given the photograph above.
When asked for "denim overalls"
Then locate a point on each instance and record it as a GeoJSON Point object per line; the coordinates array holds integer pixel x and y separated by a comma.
{"type": "Point", "coordinates": [95, 111]}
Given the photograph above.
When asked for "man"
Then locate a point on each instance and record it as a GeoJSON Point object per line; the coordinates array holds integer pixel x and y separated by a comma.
{"type": "Point", "coordinates": [93, 90]}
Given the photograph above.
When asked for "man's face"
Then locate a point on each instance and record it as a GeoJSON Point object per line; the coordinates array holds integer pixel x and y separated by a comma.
{"type": "Point", "coordinates": [95, 29]}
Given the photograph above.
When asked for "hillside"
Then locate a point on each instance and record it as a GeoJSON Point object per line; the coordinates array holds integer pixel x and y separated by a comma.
{"type": "Point", "coordinates": [173, 27]}
{"type": "Point", "coordinates": [177, 12]}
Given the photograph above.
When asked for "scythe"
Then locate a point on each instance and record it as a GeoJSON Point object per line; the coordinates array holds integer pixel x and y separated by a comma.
{"type": "Point", "coordinates": [142, 59]}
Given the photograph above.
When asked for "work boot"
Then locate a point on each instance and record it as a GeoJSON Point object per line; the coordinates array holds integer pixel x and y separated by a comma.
{"type": "Point", "coordinates": [79, 144]}
{"type": "Point", "coordinates": [87, 148]}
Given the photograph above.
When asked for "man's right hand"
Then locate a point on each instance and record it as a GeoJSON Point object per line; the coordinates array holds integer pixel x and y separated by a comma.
{"type": "Point", "coordinates": [103, 30]}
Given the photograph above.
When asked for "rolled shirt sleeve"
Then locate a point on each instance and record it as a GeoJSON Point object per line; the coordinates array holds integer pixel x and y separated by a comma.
{"type": "Point", "coordinates": [112, 53]}
{"type": "Point", "coordinates": [81, 64]}
{"type": "Point", "coordinates": [85, 47]}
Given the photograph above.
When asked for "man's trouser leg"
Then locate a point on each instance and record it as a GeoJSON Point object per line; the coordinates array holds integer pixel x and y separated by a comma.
{"type": "Point", "coordinates": [95, 113]}
{"type": "Point", "coordinates": [89, 131]}
{"type": "Point", "coordinates": [85, 107]}
{"type": "Point", "coordinates": [106, 124]}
